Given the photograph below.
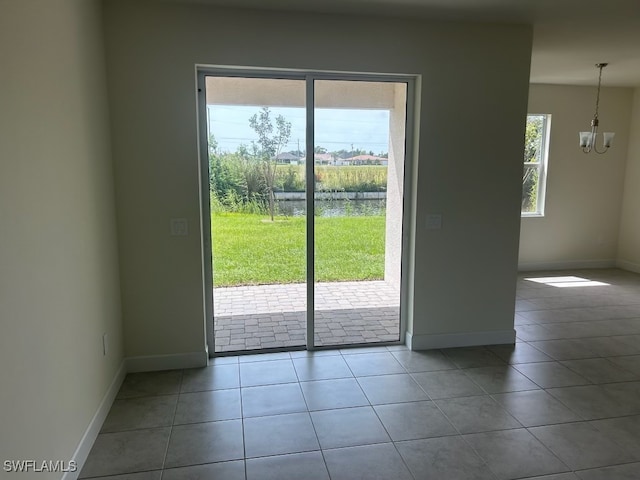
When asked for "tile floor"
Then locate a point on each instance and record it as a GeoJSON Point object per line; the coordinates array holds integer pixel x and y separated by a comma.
{"type": "Point", "coordinates": [562, 404]}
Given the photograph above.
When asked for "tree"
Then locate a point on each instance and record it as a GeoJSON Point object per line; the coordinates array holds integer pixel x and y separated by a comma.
{"type": "Point", "coordinates": [532, 144]}
{"type": "Point", "coordinates": [225, 178]}
{"type": "Point", "coordinates": [532, 136]}
{"type": "Point", "coordinates": [269, 146]}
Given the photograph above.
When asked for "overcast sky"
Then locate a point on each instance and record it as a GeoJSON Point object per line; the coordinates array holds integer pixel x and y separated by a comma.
{"type": "Point", "coordinates": [335, 129]}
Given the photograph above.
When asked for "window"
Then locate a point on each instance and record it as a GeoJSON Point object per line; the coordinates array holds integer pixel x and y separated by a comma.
{"type": "Point", "coordinates": [534, 174]}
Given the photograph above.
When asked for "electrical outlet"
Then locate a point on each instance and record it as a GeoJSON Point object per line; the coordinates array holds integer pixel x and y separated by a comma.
{"type": "Point", "coordinates": [179, 227]}
{"type": "Point", "coordinates": [105, 344]}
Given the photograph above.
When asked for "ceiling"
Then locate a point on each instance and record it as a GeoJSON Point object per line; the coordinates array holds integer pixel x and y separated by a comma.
{"type": "Point", "coordinates": [570, 36]}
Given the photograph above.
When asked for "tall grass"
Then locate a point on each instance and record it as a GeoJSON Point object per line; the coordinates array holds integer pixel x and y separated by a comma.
{"type": "Point", "coordinates": [369, 178]}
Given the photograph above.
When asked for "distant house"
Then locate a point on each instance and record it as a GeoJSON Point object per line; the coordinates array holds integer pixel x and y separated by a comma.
{"type": "Point", "coordinates": [324, 158]}
{"type": "Point", "coordinates": [286, 158]}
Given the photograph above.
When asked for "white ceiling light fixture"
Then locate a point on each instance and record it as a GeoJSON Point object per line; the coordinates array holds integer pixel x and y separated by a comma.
{"type": "Point", "coordinates": [588, 139]}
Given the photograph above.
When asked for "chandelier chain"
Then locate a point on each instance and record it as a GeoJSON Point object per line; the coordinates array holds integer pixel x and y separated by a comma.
{"type": "Point", "coordinates": [601, 66]}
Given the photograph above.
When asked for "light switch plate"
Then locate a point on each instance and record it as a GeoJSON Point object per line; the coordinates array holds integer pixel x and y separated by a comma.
{"type": "Point", "coordinates": [179, 227]}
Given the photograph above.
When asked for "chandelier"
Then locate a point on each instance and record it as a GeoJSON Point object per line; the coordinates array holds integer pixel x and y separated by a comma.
{"type": "Point", "coordinates": [588, 139]}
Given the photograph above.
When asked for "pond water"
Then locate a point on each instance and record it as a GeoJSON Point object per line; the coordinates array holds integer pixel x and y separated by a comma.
{"type": "Point", "coordinates": [334, 208]}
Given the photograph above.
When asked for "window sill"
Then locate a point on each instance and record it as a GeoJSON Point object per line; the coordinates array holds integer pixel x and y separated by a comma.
{"type": "Point", "coordinates": [531, 215]}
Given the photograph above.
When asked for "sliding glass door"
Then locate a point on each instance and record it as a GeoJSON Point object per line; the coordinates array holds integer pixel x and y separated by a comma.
{"type": "Point", "coordinates": [359, 143]}
{"type": "Point", "coordinates": [303, 181]}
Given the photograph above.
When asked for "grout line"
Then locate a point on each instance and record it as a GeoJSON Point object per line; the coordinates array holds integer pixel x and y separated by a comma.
{"type": "Point", "coordinates": [244, 443]}
{"type": "Point", "coordinates": [173, 419]}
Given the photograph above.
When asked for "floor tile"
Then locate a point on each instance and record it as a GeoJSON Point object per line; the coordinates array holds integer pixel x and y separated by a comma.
{"type": "Point", "coordinates": [360, 350]}
{"type": "Point", "coordinates": [267, 373]}
{"type": "Point", "coordinates": [348, 427]}
{"type": "Point", "coordinates": [153, 475]}
{"type": "Point", "coordinates": [449, 458]}
{"type": "Point", "coordinates": [205, 443]}
{"type": "Point", "coordinates": [593, 401]}
{"type": "Point", "coordinates": [321, 368]}
{"type": "Point", "coordinates": [469, 357]}
{"type": "Point", "coordinates": [531, 333]}
{"type": "Point", "coordinates": [515, 454]}
{"type": "Point", "coordinates": [279, 434]}
{"type": "Point", "coordinates": [551, 374]}
{"type": "Point", "coordinates": [525, 306]}
{"type": "Point", "coordinates": [564, 349]}
{"type": "Point", "coordinates": [297, 466]}
{"type": "Point", "coordinates": [218, 377]}
{"type": "Point", "coordinates": [500, 379]}
{"type": "Point", "coordinates": [414, 420]}
{"type": "Point", "coordinates": [208, 406]}
{"type": "Point", "coordinates": [233, 470]}
{"type": "Point", "coordinates": [447, 384]}
{"type": "Point", "coordinates": [126, 452]}
{"type": "Point", "coordinates": [338, 393]}
{"type": "Point", "coordinates": [370, 462]}
{"type": "Point", "coordinates": [535, 408]}
{"type": "Point", "coordinates": [228, 360]}
{"type": "Point", "coordinates": [423, 361]}
{"type": "Point", "coordinates": [263, 357]}
{"type": "Point", "coordinates": [599, 370]}
{"type": "Point", "coordinates": [609, 346]}
{"type": "Point", "coordinates": [617, 472]}
{"type": "Point", "coordinates": [391, 389]}
{"type": "Point", "coordinates": [151, 383]}
{"type": "Point", "coordinates": [557, 476]}
{"type": "Point", "coordinates": [272, 400]}
{"type": "Point", "coordinates": [630, 363]}
{"type": "Point", "coordinates": [140, 412]}
{"type": "Point", "coordinates": [397, 348]}
{"type": "Point", "coordinates": [519, 353]}
{"type": "Point", "coordinates": [313, 353]}
{"type": "Point", "coordinates": [581, 446]}
{"type": "Point", "coordinates": [476, 414]}
{"type": "Point", "coordinates": [625, 431]}
{"type": "Point", "coordinates": [626, 394]}
{"type": "Point", "coordinates": [373, 364]}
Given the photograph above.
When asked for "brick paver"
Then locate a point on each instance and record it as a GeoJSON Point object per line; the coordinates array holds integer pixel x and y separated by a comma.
{"type": "Point", "coordinates": [268, 316]}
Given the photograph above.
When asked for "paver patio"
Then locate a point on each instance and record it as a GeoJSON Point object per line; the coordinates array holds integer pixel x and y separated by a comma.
{"type": "Point", "coordinates": [270, 316]}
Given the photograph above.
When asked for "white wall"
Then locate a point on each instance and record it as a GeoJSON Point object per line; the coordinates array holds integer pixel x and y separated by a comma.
{"type": "Point", "coordinates": [59, 287]}
{"type": "Point", "coordinates": [474, 82]}
{"type": "Point", "coordinates": [584, 192]}
{"type": "Point", "coordinates": [629, 246]}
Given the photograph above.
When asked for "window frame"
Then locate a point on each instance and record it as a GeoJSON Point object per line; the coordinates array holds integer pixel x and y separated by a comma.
{"type": "Point", "coordinates": [542, 166]}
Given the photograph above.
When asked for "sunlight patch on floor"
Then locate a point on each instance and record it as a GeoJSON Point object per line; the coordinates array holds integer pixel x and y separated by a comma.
{"type": "Point", "coordinates": [567, 282]}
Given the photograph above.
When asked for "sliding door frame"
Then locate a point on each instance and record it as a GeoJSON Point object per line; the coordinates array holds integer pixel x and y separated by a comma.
{"type": "Point", "coordinates": [205, 213]}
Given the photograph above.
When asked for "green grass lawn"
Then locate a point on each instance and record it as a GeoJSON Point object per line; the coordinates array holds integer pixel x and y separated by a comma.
{"type": "Point", "coordinates": [252, 250]}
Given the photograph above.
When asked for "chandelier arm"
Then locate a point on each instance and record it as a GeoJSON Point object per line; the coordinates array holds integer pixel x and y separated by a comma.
{"type": "Point", "coordinates": [595, 149]}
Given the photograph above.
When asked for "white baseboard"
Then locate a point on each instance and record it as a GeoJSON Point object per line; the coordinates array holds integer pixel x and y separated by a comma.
{"type": "Point", "coordinates": [574, 265]}
{"type": "Point", "coordinates": [469, 339]}
{"type": "Point", "coordinates": [152, 363]}
{"type": "Point", "coordinates": [632, 267]}
{"type": "Point", "coordinates": [91, 433]}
